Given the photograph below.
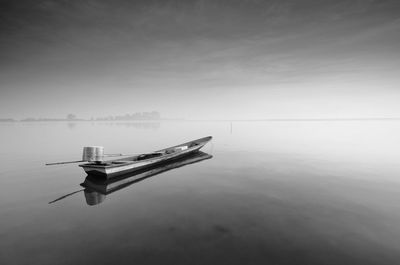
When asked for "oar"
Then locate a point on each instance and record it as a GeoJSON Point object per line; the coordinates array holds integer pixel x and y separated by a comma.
{"type": "Point", "coordinates": [79, 161]}
{"type": "Point", "coordinates": [60, 163]}
{"type": "Point", "coordinates": [110, 155]}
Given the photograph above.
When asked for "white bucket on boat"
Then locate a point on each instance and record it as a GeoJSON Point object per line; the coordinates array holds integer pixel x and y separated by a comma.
{"type": "Point", "coordinates": [93, 153]}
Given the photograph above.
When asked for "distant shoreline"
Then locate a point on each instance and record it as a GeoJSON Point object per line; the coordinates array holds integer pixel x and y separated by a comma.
{"type": "Point", "coordinates": [302, 119]}
{"type": "Point", "coordinates": [208, 120]}
{"type": "Point", "coordinates": [85, 120]}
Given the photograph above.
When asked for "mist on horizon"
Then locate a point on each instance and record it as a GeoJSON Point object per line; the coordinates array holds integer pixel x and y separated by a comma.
{"type": "Point", "coordinates": [200, 59]}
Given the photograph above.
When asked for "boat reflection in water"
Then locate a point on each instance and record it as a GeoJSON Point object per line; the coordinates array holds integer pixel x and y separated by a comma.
{"type": "Point", "coordinates": [96, 189]}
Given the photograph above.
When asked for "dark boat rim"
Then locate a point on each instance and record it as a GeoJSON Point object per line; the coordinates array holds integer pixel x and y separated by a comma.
{"type": "Point", "coordinates": [201, 142]}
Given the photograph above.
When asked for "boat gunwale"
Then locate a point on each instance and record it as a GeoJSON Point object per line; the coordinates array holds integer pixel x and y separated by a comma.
{"type": "Point", "coordinates": [201, 143]}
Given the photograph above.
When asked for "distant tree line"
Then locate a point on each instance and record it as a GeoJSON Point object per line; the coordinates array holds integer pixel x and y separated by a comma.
{"type": "Point", "coordinates": [154, 115]}
{"type": "Point", "coordinates": [70, 117]}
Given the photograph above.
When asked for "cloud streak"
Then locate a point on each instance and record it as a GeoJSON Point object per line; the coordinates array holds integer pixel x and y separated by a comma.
{"type": "Point", "coordinates": [145, 49]}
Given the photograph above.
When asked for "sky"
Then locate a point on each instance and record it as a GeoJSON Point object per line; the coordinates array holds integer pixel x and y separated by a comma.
{"type": "Point", "coordinates": [200, 59]}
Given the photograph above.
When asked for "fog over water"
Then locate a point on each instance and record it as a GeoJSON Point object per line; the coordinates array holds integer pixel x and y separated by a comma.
{"type": "Point", "coordinates": [273, 193]}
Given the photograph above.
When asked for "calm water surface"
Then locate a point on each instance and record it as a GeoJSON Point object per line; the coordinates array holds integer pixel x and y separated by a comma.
{"type": "Point", "coordinates": [273, 193]}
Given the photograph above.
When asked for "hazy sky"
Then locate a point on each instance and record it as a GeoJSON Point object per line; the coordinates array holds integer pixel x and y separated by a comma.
{"type": "Point", "coordinates": [200, 59]}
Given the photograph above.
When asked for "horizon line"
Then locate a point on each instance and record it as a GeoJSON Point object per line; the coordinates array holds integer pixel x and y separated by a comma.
{"type": "Point", "coordinates": [216, 120]}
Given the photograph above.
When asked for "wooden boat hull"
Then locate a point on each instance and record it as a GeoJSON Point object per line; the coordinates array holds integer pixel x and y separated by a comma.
{"type": "Point", "coordinates": [97, 189]}
{"type": "Point", "coordinates": [106, 186]}
{"type": "Point", "coordinates": [127, 165]}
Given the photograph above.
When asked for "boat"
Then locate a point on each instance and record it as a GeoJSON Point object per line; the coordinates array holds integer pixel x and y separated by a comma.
{"type": "Point", "coordinates": [96, 189]}
{"type": "Point", "coordinates": [113, 168]}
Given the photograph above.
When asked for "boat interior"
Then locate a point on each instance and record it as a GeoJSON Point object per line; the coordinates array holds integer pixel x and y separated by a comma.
{"type": "Point", "coordinates": [131, 159]}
